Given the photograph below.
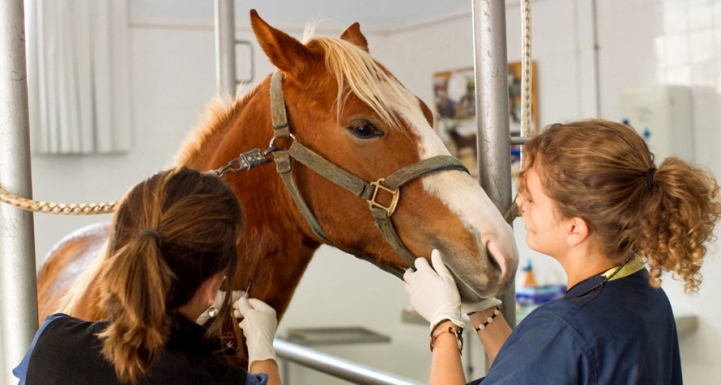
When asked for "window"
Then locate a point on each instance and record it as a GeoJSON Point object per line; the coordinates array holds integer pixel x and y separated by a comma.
{"type": "Point", "coordinates": [78, 76]}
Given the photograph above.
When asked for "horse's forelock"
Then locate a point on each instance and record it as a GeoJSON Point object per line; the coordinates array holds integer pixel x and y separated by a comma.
{"type": "Point", "coordinates": [355, 69]}
{"type": "Point", "coordinates": [309, 31]}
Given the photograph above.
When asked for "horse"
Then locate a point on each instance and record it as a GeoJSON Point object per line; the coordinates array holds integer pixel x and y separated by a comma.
{"type": "Point", "coordinates": [347, 109]}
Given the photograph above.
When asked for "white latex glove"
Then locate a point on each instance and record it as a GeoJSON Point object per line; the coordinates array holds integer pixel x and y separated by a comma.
{"type": "Point", "coordinates": [470, 308]}
{"type": "Point", "coordinates": [258, 324]}
{"type": "Point", "coordinates": [433, 294]}
{"type": "Point", "coordinates": [219, 298]}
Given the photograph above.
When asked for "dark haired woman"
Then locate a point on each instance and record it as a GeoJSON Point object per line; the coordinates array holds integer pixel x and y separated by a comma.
{"type": "Point", "coordinates": [173, 245]}
{"type": "Point", "coordinates": [592, 198]}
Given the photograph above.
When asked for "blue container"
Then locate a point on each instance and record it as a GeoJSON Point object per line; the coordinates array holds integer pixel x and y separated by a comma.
{"type": "Point", "coordinates": [536, 295]}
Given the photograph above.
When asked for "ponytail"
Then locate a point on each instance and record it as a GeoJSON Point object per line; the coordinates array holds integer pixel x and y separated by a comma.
{"type": "Point", "coordinates": [137, 280]}
{"type": "Point", "coordinates": [678, 221]}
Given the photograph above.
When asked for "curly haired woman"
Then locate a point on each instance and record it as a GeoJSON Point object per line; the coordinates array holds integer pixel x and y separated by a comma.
{"type": "Point", "coordinates": [592, 198]}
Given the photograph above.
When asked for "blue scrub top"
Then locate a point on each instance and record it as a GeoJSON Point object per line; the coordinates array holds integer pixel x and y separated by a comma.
{"type": "Point", "coordinates": [622, 332]}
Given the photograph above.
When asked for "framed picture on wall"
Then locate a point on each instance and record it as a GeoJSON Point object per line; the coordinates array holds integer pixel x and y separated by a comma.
{"type": "Point", "coordinates": [454, 100]}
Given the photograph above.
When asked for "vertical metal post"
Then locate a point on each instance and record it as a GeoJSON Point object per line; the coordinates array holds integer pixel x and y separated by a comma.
{"type": "Point", "coordinates": [225, 47]}
{"type": "Point", "coordinates": [596, 57]}
{"type": "Point", "coordinates": [494, 137]}
{"type": "Point", "coordinates": [18, 293]}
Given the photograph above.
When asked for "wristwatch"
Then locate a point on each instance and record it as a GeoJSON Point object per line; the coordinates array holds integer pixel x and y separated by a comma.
{"type": "Point", "coordinates": [453, 329]}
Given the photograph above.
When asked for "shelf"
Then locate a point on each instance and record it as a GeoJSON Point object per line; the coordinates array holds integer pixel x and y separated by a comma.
{"type": "Point", "coordinates": [334, 336]}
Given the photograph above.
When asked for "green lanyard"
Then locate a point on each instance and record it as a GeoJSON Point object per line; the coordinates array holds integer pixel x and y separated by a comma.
{"type": "Point", "coordinates": [631, 267]}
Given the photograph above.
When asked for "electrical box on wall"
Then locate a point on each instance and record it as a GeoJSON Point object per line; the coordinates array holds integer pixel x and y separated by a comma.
{"type": "Point", "coordinates": [663, 116]}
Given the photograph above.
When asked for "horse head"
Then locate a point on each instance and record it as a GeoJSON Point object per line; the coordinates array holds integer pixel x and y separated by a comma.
{"type": "Point", "coordinates": [350, 110]}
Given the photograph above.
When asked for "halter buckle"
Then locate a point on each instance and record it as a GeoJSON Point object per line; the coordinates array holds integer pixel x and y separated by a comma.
{"type": "Point", "coordinates": [373, 203]}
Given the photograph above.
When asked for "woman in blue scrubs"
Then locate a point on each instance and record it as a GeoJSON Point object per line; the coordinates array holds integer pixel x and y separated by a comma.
{"type": "Point", "coordinates": [173, 245]}
{"type": "Point", "coordinates": [591, 197]}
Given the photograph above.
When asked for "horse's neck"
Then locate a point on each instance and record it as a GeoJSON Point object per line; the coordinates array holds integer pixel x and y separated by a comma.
{"type": "Point", "coordinates": [276, 246]}
{"type": "Point", "coordinates": [271, 265]}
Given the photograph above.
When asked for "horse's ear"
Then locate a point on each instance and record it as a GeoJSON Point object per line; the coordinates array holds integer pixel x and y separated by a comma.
{"type": "Point", "coordinates": [285, 52]}
{"type": "Point", "coordinates": [354, 35]}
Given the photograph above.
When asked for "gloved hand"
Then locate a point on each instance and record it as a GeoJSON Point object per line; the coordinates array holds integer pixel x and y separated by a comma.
{"type": "Point", "coordinates": [470, 308]}
{"type": "Point", "coordinates": [433, 294]}
{"type": "Point", "coordinates": [259, 324]}
{"type": "Point", "coordinates": [219, 298]}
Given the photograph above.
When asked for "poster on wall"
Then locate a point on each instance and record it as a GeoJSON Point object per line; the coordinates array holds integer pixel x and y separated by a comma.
{"type": "Point", "coordinates": [454, 99]}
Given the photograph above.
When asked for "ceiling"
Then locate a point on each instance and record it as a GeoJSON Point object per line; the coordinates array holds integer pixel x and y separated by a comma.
{"type": "Point", "coordinates": [372, 14]}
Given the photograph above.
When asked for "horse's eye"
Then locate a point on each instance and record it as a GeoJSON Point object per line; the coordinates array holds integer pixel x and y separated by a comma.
{"type": "Point", "coordinates": [364, 130]}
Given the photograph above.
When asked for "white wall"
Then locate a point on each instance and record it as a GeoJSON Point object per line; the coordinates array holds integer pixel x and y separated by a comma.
{"type": "Point", "coordinates": [642, 43]}
{"type": "Point", "coordinates": [646, 43]}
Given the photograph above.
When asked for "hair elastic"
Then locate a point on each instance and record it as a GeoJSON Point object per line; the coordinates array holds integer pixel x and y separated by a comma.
{"type": "Point", "coordinates": [153, 233]}
{"type": "Point", "coordinates": [649, 178]}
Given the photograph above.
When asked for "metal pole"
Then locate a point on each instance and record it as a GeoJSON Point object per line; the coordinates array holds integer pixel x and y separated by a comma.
{"type": "Point", "coordinates": [225, 47]}
{"type": "Point", "coordinates": [334, 366]}
{"type": "Point", "coordinates": [494, 137]}
{"type": "Point", "coordinates": [18, 294]}
{"type": "Point", "coordinates": [596, 57]}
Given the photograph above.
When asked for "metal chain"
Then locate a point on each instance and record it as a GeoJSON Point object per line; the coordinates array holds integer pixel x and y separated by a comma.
{"type": "Point", "coordinates": [57, 208]}
{"type": "Point", "coordinates": [245, 161]}
{"type": "Point", "coordinates": [526, 70]}
{"type": "Point", "coordinates": [526, 87]}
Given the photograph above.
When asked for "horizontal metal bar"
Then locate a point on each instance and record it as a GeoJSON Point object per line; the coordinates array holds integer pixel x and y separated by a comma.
{"type": "Point", "coordinates": [519, 140]}
{"type": "Point", "coordinates": [337, 367]}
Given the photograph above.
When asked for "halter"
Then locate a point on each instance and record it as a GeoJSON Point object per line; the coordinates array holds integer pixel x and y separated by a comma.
{"type": "Point", "coordinates": [365, 190]}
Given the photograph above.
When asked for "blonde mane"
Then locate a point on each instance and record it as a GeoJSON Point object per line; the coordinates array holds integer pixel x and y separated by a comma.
{"type": "Point", "coordinates": [356, 70]}
{"type": "Point", "coordinates": [219, 113]}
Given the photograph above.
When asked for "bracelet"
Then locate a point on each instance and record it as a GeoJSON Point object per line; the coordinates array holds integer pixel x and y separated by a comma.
{"type": "Point", "coordinates": [490, 319]}
{"type": "Point", "coordinates": [456, 331]}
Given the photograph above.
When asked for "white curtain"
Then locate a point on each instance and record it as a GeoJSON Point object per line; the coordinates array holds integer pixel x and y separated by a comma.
{"type": "Point", "coordinates": [78, 76]}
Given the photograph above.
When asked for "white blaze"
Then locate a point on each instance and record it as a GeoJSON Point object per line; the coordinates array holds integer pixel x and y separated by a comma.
{"type": "Point", "coordinates": [458, 191]}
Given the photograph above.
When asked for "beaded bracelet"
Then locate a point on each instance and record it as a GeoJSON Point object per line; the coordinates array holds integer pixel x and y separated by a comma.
{"type": "Point", "coordinates": [489, 320]}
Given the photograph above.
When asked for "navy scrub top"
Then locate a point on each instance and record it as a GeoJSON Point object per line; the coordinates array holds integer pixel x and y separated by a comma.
{"type": "Point", "coordinates": [66, 351]}
{"type": "Point", "coordinates": [622, 332]}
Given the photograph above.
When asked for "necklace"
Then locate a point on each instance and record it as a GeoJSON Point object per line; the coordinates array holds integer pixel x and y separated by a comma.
{"type": "Point", "coordinates": [629, 266]}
